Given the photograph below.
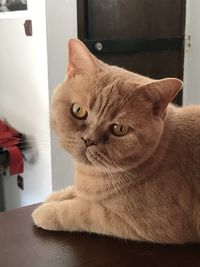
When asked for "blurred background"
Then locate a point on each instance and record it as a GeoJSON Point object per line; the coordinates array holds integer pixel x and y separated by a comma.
{"type": "Point", "coordinates": [157, 38]}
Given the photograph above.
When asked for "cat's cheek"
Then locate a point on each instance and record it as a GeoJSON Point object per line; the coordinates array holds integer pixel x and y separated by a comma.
{"type": "Point", "coordinates": [66, 146]}
{"type": "Point", "coordinates": [76, 150]}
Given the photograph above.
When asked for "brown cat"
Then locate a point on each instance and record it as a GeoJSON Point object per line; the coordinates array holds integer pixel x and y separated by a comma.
{"type": "Point", "coordinates": [137, 156]}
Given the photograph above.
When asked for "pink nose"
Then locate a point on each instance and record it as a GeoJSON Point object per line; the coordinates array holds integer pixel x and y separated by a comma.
{"type": "Point", "coordinates": [88, 142]}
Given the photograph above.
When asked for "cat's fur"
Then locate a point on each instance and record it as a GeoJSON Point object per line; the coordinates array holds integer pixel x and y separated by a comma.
{"type": "Point", "coordinates": [142, 186]}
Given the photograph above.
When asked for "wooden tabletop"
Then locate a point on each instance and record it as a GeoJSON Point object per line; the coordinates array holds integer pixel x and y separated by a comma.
{"type": "Point", "coordinates": [24, 245]}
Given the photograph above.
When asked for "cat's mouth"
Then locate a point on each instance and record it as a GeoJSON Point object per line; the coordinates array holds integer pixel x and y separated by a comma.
{"type": "Point", "coordinates": [95, 157]}
{"type": "Point", "coordinates": [87, 159]}
{"type": "Point", "coordinates": [90, 156]}
{"type": "Point", "coordinates": [84, 156]}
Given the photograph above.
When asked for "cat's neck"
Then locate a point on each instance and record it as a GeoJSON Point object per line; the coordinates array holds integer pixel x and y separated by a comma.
{"type": "Point", "coordinates": [92, 183]}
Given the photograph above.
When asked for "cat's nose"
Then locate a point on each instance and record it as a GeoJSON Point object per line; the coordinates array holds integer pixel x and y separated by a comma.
{"type": "Point", "coordinates": [88, 142]}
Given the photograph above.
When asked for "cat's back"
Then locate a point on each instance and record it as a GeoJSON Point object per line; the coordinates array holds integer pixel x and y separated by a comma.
{"type": "Point", "coordinates": [187, 121]}
{"type": "Point", "coordinates": [189, 116]}
{"type": "Point", "coordinates": [186, 142]}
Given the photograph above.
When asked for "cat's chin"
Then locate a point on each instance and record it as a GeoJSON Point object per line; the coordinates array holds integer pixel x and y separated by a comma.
{"type": "Point", "coordinates": [92, 157]}
{"type": "Point", "coordinates": [83, 160]}
{"type": "Point", "coordinates": [106, 165]}
{"type": "Point", "coordinates": [99, 160]}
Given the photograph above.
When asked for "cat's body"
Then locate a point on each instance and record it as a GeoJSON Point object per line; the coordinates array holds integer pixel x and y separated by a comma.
{"type": "Point", "coordinates": [142, 183]}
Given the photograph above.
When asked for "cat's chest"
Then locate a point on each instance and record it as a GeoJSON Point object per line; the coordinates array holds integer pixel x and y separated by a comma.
{"type": "Point", "coordinates": [97, 189]}
{"type": "Point", "coordinates": [151, 197]}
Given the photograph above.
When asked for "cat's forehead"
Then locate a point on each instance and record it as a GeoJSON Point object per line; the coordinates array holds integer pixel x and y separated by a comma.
{"type": "Point", "coordinates": [109, 96]}
{"type": "Point", "coordinates": [105, 96]}
{"type": "Point", "coordinates": [105, 99]}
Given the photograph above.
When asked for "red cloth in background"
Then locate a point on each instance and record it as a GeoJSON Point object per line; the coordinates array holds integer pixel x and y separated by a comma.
{"type": "Point", "coordinates": [9, 139]}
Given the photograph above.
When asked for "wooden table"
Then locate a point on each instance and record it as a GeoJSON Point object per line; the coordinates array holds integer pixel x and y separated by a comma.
{"type": "Point", "coordinates": [24, 245]}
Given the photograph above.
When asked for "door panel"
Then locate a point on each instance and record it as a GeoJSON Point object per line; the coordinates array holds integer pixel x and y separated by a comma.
{"type": "Point", "coordinates": [144, 36]}
{"type": "Point", "coordinates": [154, 64]}
{"type": "Point", "coordinates": [139, 18]}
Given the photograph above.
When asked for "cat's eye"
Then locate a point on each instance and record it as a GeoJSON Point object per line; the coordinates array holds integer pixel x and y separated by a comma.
{"type": "Point", "coordinates": [119, 129]}
{"type": "Point", "coordinates": [79, 112]}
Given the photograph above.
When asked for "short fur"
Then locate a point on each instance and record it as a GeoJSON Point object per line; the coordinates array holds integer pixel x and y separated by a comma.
{"type": "Point", "coordinates": [141, 186]}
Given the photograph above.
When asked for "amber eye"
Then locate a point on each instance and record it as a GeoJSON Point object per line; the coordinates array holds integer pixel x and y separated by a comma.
{"type": "Point", "coordinates": [79, 112]}
{"type": "Point", "coordinates": [119, 130]}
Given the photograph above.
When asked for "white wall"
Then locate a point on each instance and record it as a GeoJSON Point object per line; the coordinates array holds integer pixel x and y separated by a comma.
{"type": "Point", "coordinates": [27, 80]}
{"type": "Point", "coordinates": [191, 93]}
{"type": "Point", "coordinates": [24, 100]}
{"type": "Point", "coordinates": [61, 25]}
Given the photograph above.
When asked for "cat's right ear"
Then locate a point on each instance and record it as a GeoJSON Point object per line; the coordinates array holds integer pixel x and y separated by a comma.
{"type": "Point", "coordinates": [80, 59]}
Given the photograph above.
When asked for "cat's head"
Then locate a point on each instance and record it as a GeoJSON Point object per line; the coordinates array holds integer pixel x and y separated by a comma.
{"type": "Point", "coordinates": [106, 116]}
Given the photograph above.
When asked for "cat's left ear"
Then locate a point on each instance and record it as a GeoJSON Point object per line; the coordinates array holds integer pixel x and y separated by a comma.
{"type": "Point", "coordinates": [160, 93]}
{"type": "Point", "coordinates": [80, 59]}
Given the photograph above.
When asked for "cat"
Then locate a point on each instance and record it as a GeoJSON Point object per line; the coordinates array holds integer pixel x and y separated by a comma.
{"type": "Point", "coordinates": [137, 155]}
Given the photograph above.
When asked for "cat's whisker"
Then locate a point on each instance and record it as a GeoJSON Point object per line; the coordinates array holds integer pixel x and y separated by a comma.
{"type": "Point", "coordinates": [119, 189]}
{"type": "Point", "coordinates": [110, 163]}
{"type": "Point", "coordinates": [115, 178]}
{"type": "Point", "coordinates": [114, 167]}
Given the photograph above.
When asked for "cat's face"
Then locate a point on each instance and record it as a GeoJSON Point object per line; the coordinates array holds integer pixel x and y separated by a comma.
{"type": "Point", "coordinates": [106, 116]}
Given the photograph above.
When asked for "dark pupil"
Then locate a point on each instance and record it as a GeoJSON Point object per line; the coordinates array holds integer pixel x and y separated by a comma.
{"type": "Point", "coordinates": [78, 109]}
{"type": "Point", "coordinates": [121, 129]}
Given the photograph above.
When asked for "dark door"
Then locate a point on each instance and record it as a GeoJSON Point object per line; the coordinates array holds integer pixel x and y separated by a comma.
{"type": "Point", "coordinates": [144, 36]}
